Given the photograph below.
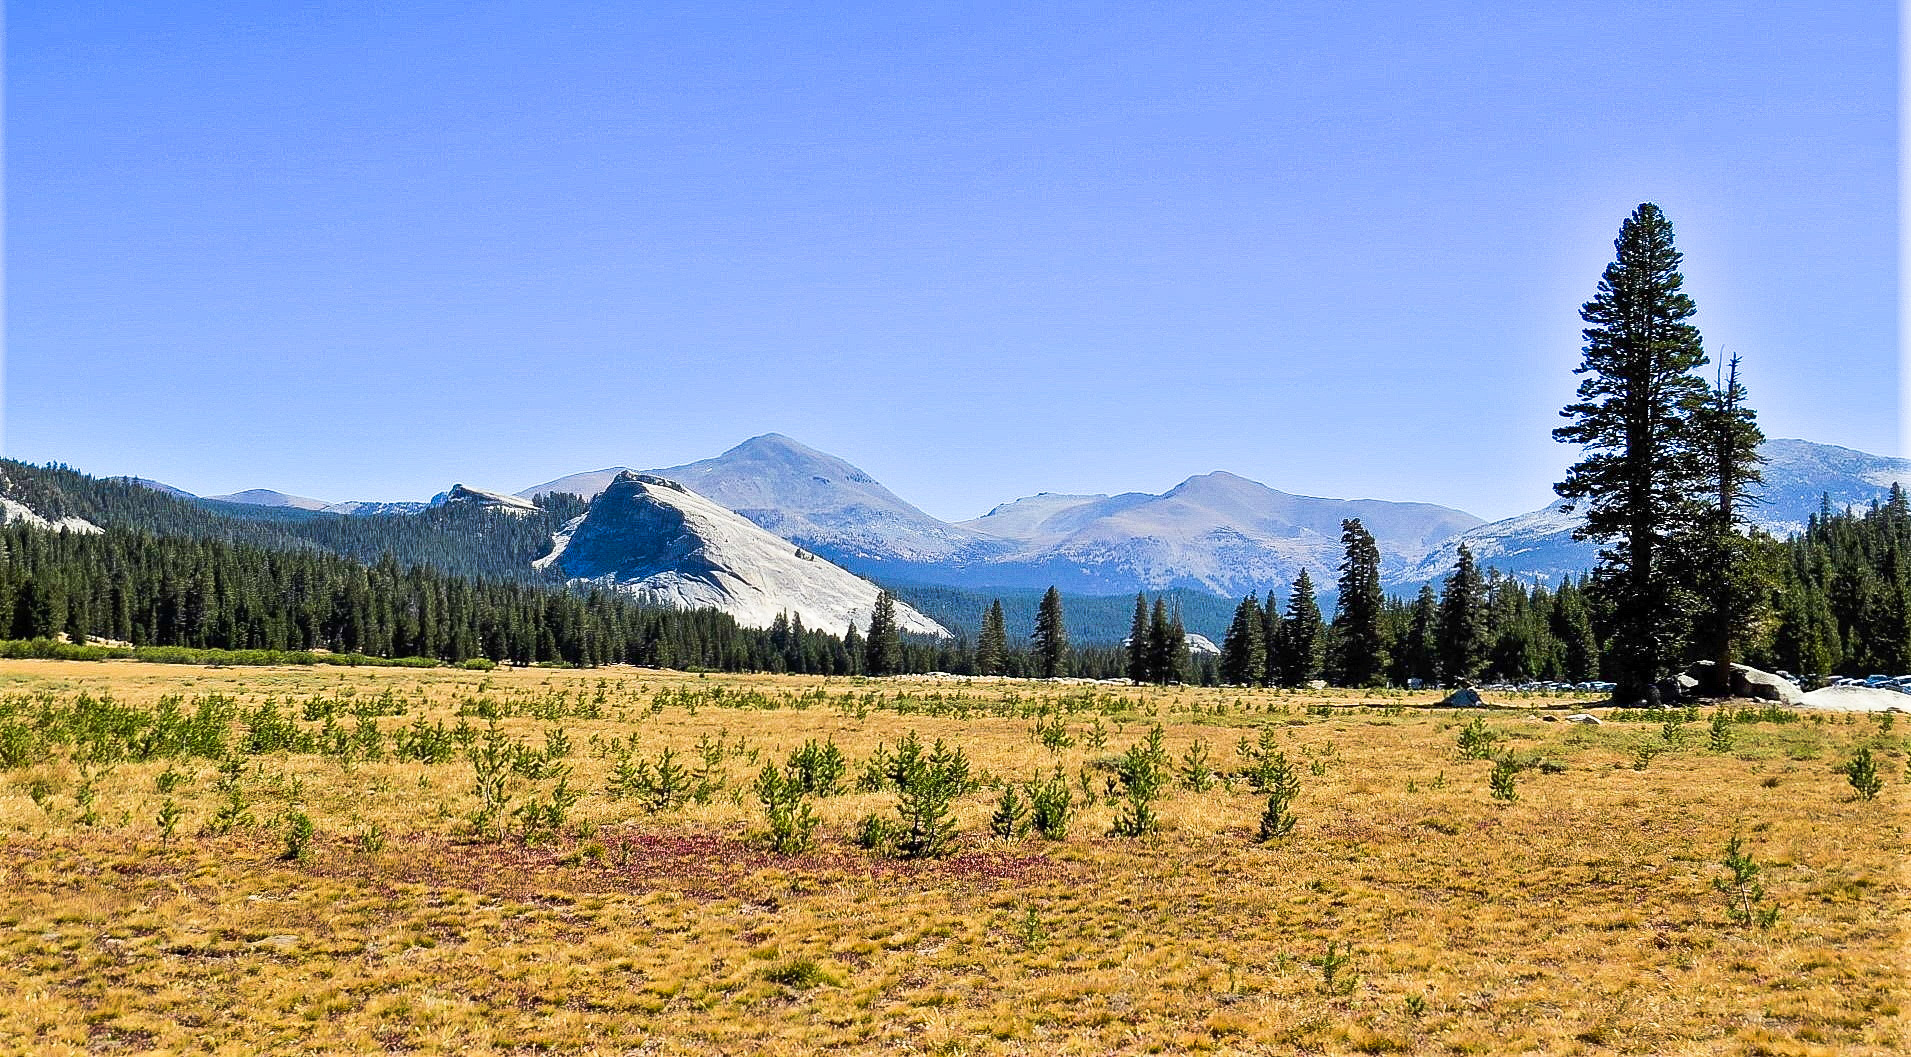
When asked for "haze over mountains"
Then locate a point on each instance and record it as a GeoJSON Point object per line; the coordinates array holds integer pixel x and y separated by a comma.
{"type": "Point", "coordinates": [1216, 532]}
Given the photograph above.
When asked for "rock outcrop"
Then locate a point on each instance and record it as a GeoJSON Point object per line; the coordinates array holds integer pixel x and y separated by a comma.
{"type": "Point", "coordinates": [1749, 682]}
{"type": "Point", "coordinates": [658, 540]}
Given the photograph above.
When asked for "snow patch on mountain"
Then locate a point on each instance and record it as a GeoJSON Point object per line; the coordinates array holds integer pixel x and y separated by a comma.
{"type": "Point", "coordinates": [660, 541]}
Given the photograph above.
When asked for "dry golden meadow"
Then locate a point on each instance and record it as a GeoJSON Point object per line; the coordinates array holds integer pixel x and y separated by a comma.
{"type": "Point", "coordinates": [1409, 911]}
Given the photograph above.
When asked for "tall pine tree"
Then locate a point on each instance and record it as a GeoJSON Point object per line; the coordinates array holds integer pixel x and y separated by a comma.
{"type": "Point", "coordinates": [1463, 638]}
{"type": "Point", "coordinates": [1051, 636]}
{"type": "Point", "coordinates": [882, 648]}
{"type": "Point", "coordinates": [1635, 421]}
{"type": "Point", "coordinates": [1244, 650]}
{"type": "Point", "coordinates": [1362, 647]}
{"type": "Point", "coordinates": [1138, 642]}
{"type": "Point", "coordinates": [1419, 648]}
{"type": "Point", "coordinates": [1301, 634]}
{"type": "Point", "coordinates": [1732, 588]}
{"type": "Point", "coordinates": [992, 646]}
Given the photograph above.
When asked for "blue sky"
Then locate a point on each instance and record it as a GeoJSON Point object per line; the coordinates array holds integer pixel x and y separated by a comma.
{"type": "Point", "coordinates": [363, 251]}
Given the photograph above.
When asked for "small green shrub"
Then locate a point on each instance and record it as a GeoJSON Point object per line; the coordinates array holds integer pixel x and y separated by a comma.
{"type": "Point", "coordinates": [873, 833]}
{"type": "Point", "coordinates": [1051, 806]}
{"type": "Point", "coordinates": [1197, 774]}
{"type": "Point", "coordinates": [1476, 740]}
{"type": "Point", "coordinates": [1501, 781]}
{"type": "Point", "coordinates": [298, 837]}
{"type": "Point", "coordinates": [1011, 818]}
{"type": "Point", "coordinates": [169, 815]}
{"type": "Point", "coordinates": [792, 823]}
{"type": "Point", "coordinates": [1862, 773]}
{"type": "Point", "coordinates": [1745, 903]}
{"type": "Point", "coordinates": [1282, 786]}
{"type": "Point", "coordinates": [799, 974]}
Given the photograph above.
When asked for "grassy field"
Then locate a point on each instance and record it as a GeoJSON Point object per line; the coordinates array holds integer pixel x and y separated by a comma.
{"type": "Point", "coordinates": [159, 894]}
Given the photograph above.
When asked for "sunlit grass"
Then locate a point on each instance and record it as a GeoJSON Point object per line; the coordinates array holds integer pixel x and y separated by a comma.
{"type": "Point", "coordinates": [1408, 912]}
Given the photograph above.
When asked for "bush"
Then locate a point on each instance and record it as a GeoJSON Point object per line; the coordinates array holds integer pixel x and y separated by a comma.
{"type": "Point", "coordinates": [1501, 781]}
{"type": "Point", "coordinates": [1862, 773]}
{"type": "Point", "coordinates": [1011, 818]}
{"type": "Point", "coordinates": [1196, 773]}
{"type": "Point", "coordinates": [873, 833]}
{"type": "Point", "coordinates": [298, 836]}
{"type": "Point", "coordinates": [169, 815]}
{"type": "Point", "coordinates": [792, 823]}
{"type": "Point", "coordinates": [1721, 737]}
{"type": "Point", "coordinates": [1142, 772]}
{"type": "Point", "coordinates": [1051, 806]}
{"type": "Point", "coordinates": [1282, 786]}
{"type": "Point", "coordinates": [817, 769]}
{"type": "Point", "coordinates": [1744, 894]}
{"type": "Point", "coordinates": [927, 785]}
{"type": "Point", "coordinates": [1476, 740]}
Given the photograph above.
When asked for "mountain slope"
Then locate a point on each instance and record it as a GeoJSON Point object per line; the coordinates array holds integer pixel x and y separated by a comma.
{"type": "Point", "coordinates": [658, 540]}
{"type": "Point", "coordinates": [268, 497]}
{"type": "Point", "coordinates": [1217, 532]}
{"type": "Point", "coordinates": [585, 485]}
{"type": "Point", "coordinates": [822, 502]}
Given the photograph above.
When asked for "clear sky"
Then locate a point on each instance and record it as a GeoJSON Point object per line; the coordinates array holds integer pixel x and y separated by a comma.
{"type": "Point", "coordinates": [361, 251]}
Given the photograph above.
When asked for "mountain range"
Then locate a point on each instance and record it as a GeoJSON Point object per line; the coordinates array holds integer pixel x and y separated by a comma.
{"type": "Point", "coordinates": [1217, 532]}
{"type": "Point", "coordinates": [1213, 533]}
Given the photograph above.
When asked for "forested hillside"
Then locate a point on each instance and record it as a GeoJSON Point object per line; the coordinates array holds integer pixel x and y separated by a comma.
{"type": "Point", "coordinates": [1092, 619]}
{"type": "Point", "coordinates": [456, 539]}
{"type": "Point", "coordinates": [1844, 593]}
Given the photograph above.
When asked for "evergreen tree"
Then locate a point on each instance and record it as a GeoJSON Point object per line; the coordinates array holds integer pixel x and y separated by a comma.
{"type": "Point", "coordinates": [1244, 650]}
{"type": "Point", "coordinates": [1158, 643]}
{"type": "Point", "coordinates": [1463, 622]}
{"type": "Point", "coordinates": [1167, 646]}
{"type": "Point", "coordinates": [1051, 636]}
{"type": "Point", "coordinates": [1301, 633]}
{"type": "Point", "coordinates": [1138, 669]}
{"type": "Point", "coordinates": [854, 649]}
{"type": "Point", "coordinates": [992, 647]}
{"type": "Point", "coordinates": [1572, 626]}
{"type": "Point", "coordinates": [1362, 654]}
{"type": "Point", "coordinates": [882, 647]}
{"type": "Point", "coordinates": [1635, 422]}
{"type": "Point", "coordinates": [1731, 586]}
{"type": "Point", "coordinates": [1419, 648]}
{"type": "Point", "coordinates": [1271, 641]}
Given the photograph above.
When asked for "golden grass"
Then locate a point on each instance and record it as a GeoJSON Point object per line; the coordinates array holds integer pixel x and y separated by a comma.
{"type": "Point", "coordinates": [1580, 919]}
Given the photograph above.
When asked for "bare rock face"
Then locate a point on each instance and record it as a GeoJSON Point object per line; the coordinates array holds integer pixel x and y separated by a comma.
{"type": "Point", "coordinates": [658, 540]}
{"type": "Point", "coordinates": [1750, 682]}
